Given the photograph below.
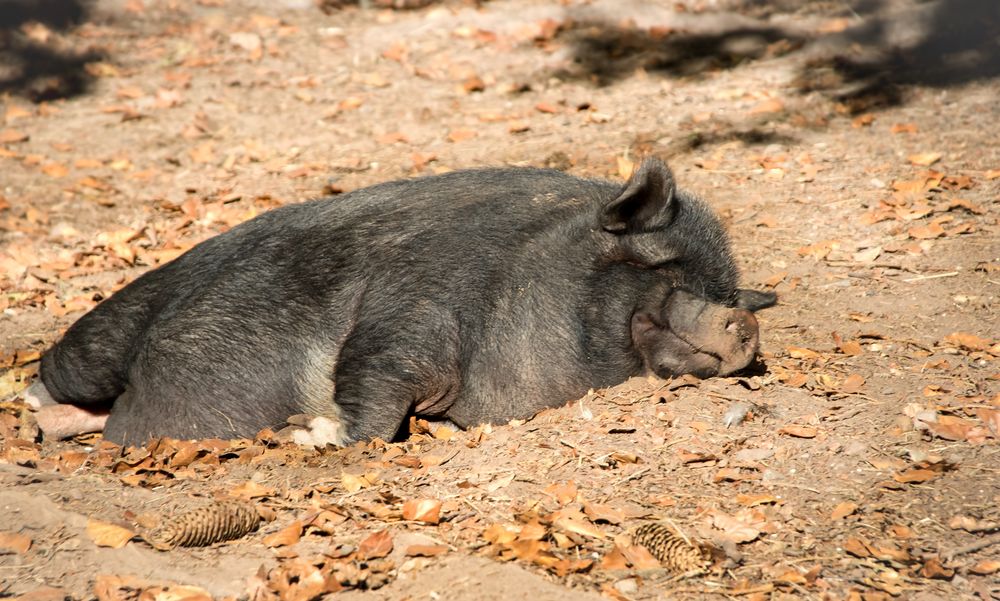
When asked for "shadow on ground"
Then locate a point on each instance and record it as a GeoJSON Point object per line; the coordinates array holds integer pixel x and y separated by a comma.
{"type": "Point", "coordinates": [605, 52]}
{"type": "Point", "coordinates": [885, 45]}
{"type": "Point", "coordinates": [936, 44]}
{"type": "Point", "coordinates": [33, 62]}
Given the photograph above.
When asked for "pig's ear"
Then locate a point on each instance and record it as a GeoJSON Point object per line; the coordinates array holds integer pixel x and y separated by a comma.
{"type": "Point", "coordinates": [755, 300]}
{"type": "Point", "coordinates": [645, 204]}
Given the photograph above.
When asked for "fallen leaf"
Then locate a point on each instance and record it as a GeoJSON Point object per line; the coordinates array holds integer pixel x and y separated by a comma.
{"type": "Point", "coordinates": [772, 105]}
{"type": "Point", "coordinates": [250, 490]}
{"type": "Point", "coordinates": [56, 170]}
{"type": "Point", "coordinates": [903, 128]}
{"type": "Point", "coordinates": [563, 492]}
{"type": "Point", "coordinates": [422, 510]}
{"type": "Point", "coordinates": [378, 544]}
{"type": "Point", "coordinates": [461, 134]}
{"type": "Point", "coordinates": [499, 534]}
{"type": "Point", "coordinates": [11, 136]}
{"type": "Point", "coordinates": [14, 541]}
{"type": "Point", "coordinates": [108, 535]}
{"type": "Point", "coordinates": [915, 476]}
{"type": "Point", "coordinates": [932, 568]}
{"type": "Point", "coordinates": [796, 352]}
{"type": "Point", "coordinates": [842, 510]}
{"type": "Point", "coordinates": [743, 527]}
{"type": "Point", "coordinates": [759, 499]}
{"type": "Point", "coordinates": [799, 431]}
{"type": "Point", "coordinates": [926, 232]}
{"type": "Point", "coordinates": [603, 513]}
{"type": "Point", "coordinates": [863, 120]}
{"type": "Point", "coordinates": [426, 550]}
{"type": "Point", "coordinates": [868, 255]}
{"type": "Point", "coordinates": [353, 483]}
{"type": "Point", "coordinates": [578, 526]}
{"type": "Point", "coordinates": [626, 167]}
{"type": "Point", "coordinates": [852, 384]}
{"type": "Point", "coordinates": [968, 341]}
{"type": "Point", "coordinates": [986, 567]}
{"type": "Point", "coordinates": [287, 536]}
{"type": "Point", "coordinates": [924, 159]}
{"type": "Point", "coordinates": [640, 558]}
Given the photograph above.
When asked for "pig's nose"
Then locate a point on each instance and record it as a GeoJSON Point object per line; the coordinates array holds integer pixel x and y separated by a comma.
{"type": "Point", "coordinates": [742, 338]}
{"type": "Point", "coordinates": [742, 325]}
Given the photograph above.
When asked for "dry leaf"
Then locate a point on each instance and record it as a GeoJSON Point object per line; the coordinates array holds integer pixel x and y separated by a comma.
{"type": "Point", "coordinates": [563, 492]}
{"type": "Point", "coordinates": [926, 232]}
{"type": "Point", "coordinates": [843, 510]}
{"type": "Point", "coordinates": [753, 500]}
{"type": "Point", "coordinates": [14, 541]}
{"type": "Point", "coordinates": [932, 568]}
{"type": "Point", "coordinates": [640, 558]}
{"type": "Point", "coordinates": [626, 167]}
{"type": "Point", "coordinates": [108, 535]}
{"type": "Point", "coordinates": [741, 528]}
{"type": "Point", "coordinates": [852, 384]}
{"type": "Point", "coordinates": [425, 550]}
{"type": "Point", "coordinates": [461, 134]}
{"type": "Point", "coordinates": [986, 567]}
{"type": "Point", "coordinates": [56, 170]}
{"type": "Point", "coordinates": [603, 513]}
{"type": "Point", "coordinates": [353, 483]}
{"type": "Point", "coordinates": [799, 431]}
{"type": "Point", "coordinates": [378, 544]}
{"type": "Point", "coordinates": [968, 341]}
{"type": "Point", "coordinates": [773, 105]}
{"type": "Point", "coordinates": [287, 536]}
{"type": "Point", "coordinates": [422, 510]}
{"type": "Point", "coordinates": [924, 159]}
{"type": "Point", "coordinates": [850, 347]}
{"type": "Point", "coordinates": [11, 136]}
{"type": "Point", "coordinates": [578, 526]}
{"type": "Point", "coordinates": [915, 475]}
{"type": "Point", "coordinates": [249, 489]}
{"type": "Point", "coordinates": [796, 352]}
{"type": "Point", "coordinates": [500, 534]}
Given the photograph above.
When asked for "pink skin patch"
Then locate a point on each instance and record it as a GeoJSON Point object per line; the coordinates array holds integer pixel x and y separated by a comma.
{"type": "Point", "coordinates": [57, 420]}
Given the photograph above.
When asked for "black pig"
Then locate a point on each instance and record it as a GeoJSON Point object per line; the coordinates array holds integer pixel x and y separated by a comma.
{"type": "Point", "coordinates": [475, 296]}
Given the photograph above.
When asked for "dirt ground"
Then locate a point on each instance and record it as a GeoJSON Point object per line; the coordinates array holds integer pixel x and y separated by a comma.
{"type": "Point", "coordinates": [851, 147]}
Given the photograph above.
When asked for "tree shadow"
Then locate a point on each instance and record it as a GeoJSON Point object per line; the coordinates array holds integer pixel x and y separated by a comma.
{"type": "Point", "coordinates": [32, 61]}
{"type": "Point", "coordinates": [605, 52]}
{"type": "Point", "coordinates": [936, 44]}
{"type": "Point", "coordinates": [882, 47]}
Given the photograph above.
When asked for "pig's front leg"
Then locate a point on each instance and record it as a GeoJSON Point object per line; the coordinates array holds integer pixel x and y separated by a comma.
{"type": "Point", "coordinates": [60, 420]}
{"type": "Point", "coordinates": [389, 370]}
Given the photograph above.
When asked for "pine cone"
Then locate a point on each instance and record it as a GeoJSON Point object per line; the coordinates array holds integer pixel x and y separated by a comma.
{"type": "Point", "coordinates": [674, 553]}
{"type": "Point", "coordinates": [215, 523]}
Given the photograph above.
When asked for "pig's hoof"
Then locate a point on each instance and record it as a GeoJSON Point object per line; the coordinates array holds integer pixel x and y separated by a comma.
{"type": "Point", "coordinates": [313, 431]}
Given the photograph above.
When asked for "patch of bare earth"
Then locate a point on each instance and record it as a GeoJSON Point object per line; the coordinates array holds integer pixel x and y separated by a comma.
{"type": "Point", "coordinates": [854, 157]}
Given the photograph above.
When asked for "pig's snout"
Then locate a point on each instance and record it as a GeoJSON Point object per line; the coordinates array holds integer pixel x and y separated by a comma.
{"type": "Point", "coordinates": [690, 335]}
{"type": "Point", "coordinates": [737, 342]}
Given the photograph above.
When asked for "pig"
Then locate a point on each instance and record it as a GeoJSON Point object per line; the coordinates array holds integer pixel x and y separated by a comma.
{"type": "Point", "coordinates": [475, 296]}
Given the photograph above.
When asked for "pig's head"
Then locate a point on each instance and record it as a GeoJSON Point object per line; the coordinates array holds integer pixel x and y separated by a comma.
{"type": "Point", "coordinates": [694, 319]}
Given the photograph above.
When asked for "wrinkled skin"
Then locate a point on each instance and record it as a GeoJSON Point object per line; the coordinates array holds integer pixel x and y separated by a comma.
{"type": "Point", "coordinates": [475, 296]}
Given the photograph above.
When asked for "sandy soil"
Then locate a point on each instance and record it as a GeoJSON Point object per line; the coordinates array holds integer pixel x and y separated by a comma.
{"type": "Point", "coordinates": [852, 152]}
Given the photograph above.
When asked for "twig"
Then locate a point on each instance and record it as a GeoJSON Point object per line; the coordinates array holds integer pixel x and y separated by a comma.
{"type": "Point", "coordinates": [971, 547]}
{"type": "Point", "coordinates": [934, 276]}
